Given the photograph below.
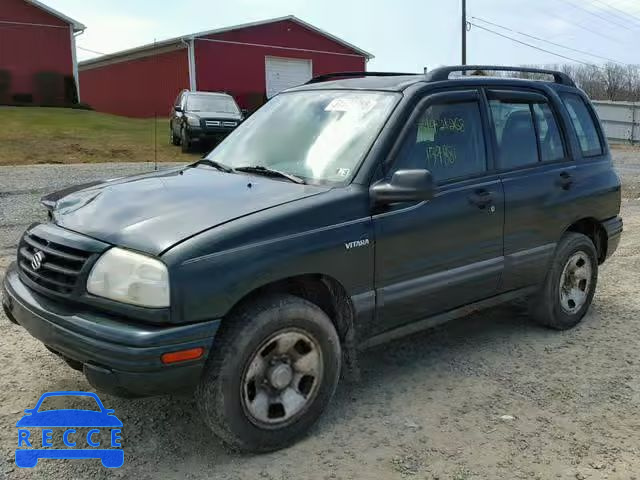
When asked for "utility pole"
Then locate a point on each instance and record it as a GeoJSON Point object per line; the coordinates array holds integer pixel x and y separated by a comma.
{"type": "Point", "coordinates": [464, 32]}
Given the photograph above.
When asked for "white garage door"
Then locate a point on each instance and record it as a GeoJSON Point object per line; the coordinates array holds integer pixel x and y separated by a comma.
{"type": "Point", "coordinates": [283, 73]}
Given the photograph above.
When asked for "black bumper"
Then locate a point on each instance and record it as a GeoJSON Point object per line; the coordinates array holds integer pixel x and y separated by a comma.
{"type": "Point", "coordinates": [614, 228]}
{"type": "Point", "coordinates": [199, 133]}
{"type": "Point", "coordinates": [117, 357]}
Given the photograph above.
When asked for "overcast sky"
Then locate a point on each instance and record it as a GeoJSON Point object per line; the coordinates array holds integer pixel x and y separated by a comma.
{"type": "Point", "coordinates": [404, 35]}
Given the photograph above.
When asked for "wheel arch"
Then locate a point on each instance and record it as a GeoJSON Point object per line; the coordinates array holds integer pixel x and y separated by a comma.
{"type": "Point", "coordinates": [593, 229]}
{"type": "Point", "coordinates": [324, 291]}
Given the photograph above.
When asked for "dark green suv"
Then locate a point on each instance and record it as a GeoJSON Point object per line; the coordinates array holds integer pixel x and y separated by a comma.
{"type": "Point", "coordinates": [353, 209]}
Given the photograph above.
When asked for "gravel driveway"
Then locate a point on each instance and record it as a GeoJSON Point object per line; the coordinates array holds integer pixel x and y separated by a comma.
{"type": "Point", "coordinates": [486, 397]}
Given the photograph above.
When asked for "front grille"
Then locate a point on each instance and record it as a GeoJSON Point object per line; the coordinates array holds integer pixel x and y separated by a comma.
{"type": "Point", "coordinates": [59, 268]}
{"type": "Point", "coordinates": [219, 123]}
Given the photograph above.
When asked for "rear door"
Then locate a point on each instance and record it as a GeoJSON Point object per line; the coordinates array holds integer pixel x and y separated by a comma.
{"type": "Point", "coordinates": [437, 255]}
{"type": "Point", "coordinates": [538, 176]}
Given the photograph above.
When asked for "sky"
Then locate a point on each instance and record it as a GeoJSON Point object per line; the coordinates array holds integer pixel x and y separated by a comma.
{"type": "Point", "coordinates": [403, 35]}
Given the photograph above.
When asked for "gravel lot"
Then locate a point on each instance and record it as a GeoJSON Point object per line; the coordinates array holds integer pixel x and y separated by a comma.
{"type": "Point", "coordinates": [489, 396]}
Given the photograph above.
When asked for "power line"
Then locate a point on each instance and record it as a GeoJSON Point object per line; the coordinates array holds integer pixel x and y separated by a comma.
{"type": "Point", "coordinates": [529, 45]}
{"type": "Point", "coordinates": [601, 17]}
{"type": "Point", "coordinates": [89, 50]}
{"type": "Point", "coordinates": [634, 19]}
{"type": "Point", "coordinates": [586, 29]}
{"type": "Point", "coordinates": [549, 42]}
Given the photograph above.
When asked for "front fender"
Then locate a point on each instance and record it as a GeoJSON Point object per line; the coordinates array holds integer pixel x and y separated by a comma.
{"type": "Point", "coordinates": [210, 285]}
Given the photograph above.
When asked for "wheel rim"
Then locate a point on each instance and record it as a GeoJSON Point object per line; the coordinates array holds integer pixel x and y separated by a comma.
{"type": "Point", "coordinates": [575, 282]}
{"type": "Point", "coordinates": [282, 378]}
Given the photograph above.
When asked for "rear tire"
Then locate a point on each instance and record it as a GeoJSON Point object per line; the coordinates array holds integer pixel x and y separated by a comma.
{"type": "Point", "coordinates": [272, 371]}
{"type": "Point", "coordinates": [568, 289]}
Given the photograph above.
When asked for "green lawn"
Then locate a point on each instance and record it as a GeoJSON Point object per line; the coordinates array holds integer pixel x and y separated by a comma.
{"type": "Point", "coordinates": [30, 135]}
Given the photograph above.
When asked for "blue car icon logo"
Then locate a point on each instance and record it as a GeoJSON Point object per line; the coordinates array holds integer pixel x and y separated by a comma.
{"type": "Point", "coordinates": [69, 426]}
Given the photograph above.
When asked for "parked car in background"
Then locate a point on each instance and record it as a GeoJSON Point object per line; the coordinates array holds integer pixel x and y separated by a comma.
{"type": "Point", "coordinates": [343, 213]}
{"type": "Point", "coordinates": [199, 117]}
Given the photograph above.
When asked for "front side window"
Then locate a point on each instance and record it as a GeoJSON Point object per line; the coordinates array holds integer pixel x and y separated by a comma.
{"type": "Point", "coordinates": [583, 124]}
{"type": "Point", "coordinates": [447, 140]}
{"type": "Point", "coordinates": [320, 136]}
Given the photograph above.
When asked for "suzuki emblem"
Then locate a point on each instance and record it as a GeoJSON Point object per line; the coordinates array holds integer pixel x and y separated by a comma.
{"type": "Point", "coordinates": [37, 259]}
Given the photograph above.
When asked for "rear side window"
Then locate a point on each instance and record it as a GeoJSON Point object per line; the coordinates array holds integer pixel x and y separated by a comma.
{"type": "Point", "coordinates": [583, 124]}
{"type": "Point", "coordinates": [515, 133]}
{"type": "Point", "coordinates": [447, 140]}
{"type": "Point", "coordinates": [551, 146]}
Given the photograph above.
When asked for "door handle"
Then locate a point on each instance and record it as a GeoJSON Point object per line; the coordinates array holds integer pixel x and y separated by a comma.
{"type": "Point", "coordinates": [481, 198]}
{"type": "Point", "coordinates": [565, 181]}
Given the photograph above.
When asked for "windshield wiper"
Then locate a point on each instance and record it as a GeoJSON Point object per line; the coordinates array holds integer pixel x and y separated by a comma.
{"type": "Point", "coordinates": [212, 163]}
{"type": "Point", "coordinates": [261, 170]}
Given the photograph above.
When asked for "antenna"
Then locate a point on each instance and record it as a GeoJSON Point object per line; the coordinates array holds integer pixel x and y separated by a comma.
{"type": "Point", "coordinates": [155, 116]}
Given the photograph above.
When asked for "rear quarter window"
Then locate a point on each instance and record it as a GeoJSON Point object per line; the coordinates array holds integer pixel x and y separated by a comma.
{"type": "Point", "coordinates": [583, 124]}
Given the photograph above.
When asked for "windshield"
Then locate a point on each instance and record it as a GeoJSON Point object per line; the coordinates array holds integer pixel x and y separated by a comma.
{"type": "Point", "coordinates": [320, 136]}
{"type": "Point", "coordinates": [211, 103]}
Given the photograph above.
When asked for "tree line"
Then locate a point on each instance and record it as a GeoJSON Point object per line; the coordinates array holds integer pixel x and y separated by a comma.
{"type": "Point", "coordinates": [610, 81]}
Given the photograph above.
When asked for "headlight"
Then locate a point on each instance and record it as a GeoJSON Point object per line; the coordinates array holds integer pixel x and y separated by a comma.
{"type": "Point", "coordinates": [193, 121]}
{"type": "Point", "coordinates": [129, 277]}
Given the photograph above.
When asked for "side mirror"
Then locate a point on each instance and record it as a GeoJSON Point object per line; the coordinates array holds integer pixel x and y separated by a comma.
{"type": "Point", "coordinates": [405, 186]}
{"type": "Point", "coordinates": [178, 108]}
{"type": "Point", "coordinates": [245, 112]}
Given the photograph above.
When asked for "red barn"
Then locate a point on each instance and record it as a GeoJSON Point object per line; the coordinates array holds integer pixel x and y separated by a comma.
{"type": "Point", "coordinates": [37, 54]}
{"type": "Point", "coordinates": [252, 62]}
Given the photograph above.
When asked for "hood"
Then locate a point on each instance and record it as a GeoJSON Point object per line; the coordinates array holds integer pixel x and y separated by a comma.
{"type": "Point", "coordinates": [151, 213]}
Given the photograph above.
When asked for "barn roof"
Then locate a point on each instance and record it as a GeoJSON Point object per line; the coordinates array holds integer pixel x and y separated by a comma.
{"type": "Point", "coordinates": [77, 26]}
{"type": "Point", "coordinates": [134, 52]}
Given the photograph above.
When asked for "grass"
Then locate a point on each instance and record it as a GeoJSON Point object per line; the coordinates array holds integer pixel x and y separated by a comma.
{"type": "Point", "coordinates": [32, 135]}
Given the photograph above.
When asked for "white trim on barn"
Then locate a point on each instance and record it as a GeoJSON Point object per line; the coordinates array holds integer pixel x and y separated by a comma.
{"type": "Point", "coordinates": [193, 82]}
{"type": "Point", "coordinates": [292, 18]}
{"type": "Point", "coordinates": [77, 26]}
{"type": "Point", "coordinates": [247, 44]}
{"type": "Point", "coordinates": [148, 49]}
{"type": "Point", "coordinates": [74, 60]}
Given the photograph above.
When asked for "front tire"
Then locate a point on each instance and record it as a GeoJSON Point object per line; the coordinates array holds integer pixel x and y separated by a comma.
{"type": "Point", "coordinates": [570, 284]}
{"type": "Point", "coordinates": [273, 369]}
{"type": "Point", "coordinates": [173, 139]}
{"type": "Point", "coordinates": [185, 141]}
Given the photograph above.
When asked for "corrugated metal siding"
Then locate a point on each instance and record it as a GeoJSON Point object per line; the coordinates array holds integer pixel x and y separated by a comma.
{"type": "Point", "coordinates": [142, 88]}
{"type": "Point", "coordinates": [284, 34]}
{"type": "Point", "coordinates": [620, 120]}
{"type": "Point", "coordinates": [33, 59]}
{"type": "Point", "coordinates": [239, 69]}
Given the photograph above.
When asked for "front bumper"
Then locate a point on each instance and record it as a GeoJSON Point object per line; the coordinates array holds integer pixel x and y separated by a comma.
{"type": "Point", "coordinates": [199, 133]}
{"type": "Point", "coordinates": [117, 357]}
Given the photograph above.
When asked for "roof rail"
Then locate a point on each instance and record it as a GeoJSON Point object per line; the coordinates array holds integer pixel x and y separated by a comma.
{"type": "Point", "coordinates": [329, 76]}
{"type": "Point", "coordinates": [443, 73]}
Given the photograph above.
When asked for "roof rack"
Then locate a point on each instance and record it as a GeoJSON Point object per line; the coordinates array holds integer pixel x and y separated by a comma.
{"type": "Point", "coordinates": [329, 76]}
{"type": "Point", "coordinates": [443, 73]}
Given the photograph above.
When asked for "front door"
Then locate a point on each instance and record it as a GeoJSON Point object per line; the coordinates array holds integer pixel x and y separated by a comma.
{"type": "Point", "coordinates": [440, 254]}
